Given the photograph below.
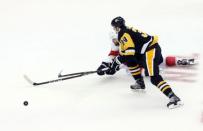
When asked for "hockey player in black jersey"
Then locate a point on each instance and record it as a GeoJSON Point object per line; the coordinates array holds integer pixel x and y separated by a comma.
{"type": "Point", "coordinates": [139, 50]}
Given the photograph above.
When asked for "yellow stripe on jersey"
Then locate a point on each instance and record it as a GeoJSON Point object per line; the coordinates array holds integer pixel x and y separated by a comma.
{"type": "Point", "coordinates": [155, 40]}
{"type": "Point", "coordinates": [150, 61]}
{"type": "Point", "coordinates": [127, 45]}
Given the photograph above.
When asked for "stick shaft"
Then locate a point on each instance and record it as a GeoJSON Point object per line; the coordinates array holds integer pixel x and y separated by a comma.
{"type": "Point", "coordinates": [56, 80]}
{"type": "Point", "coordinates": [78, 73]}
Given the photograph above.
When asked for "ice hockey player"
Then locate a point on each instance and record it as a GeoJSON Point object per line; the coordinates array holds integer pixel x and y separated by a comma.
{"type": "Point", "coordinates": [169, 61]}
{"type": "Point", "coordinates": [138, 50]}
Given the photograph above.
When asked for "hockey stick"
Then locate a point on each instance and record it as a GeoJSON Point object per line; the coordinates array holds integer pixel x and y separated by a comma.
{"type": "Point", "coordinates": [74, 75]}
{"type": "Point", "coordinates": [49, 81]}
{"type": "Point", "coordinates": [61, 77]}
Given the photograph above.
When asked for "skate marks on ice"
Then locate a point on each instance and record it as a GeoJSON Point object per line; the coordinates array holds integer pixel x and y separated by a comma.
{"type": "Point", "coordinates": [185, 73]}
{"type": "Point", "coordinates": [181, 75]}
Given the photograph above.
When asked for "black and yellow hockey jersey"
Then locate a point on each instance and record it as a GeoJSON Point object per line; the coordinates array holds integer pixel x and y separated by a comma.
{"type": "Point", "coordinates": [133, 41]}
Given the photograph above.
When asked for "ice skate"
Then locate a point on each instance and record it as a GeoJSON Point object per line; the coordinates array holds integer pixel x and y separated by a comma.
{"type": "Point", "coordinates": [174, 102]}
{"type": "Point", "coordinates": [139, 86]}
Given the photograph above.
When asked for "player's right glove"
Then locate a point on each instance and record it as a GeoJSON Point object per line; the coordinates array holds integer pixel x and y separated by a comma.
{"type": "Point", "coordinates": [101, 70]}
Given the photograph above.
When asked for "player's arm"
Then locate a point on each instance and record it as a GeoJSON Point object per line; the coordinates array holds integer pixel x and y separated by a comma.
{"type": "Point", "coordinates": [127, 47]}
{"type": "Point", "coordinates": [127, 53]}
{"type": "Point", "coordinates": [114, 46]}
{"type": "Point", "coordinates": [114, 51]}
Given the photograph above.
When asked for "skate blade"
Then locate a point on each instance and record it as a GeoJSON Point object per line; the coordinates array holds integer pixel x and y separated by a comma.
{"type": "Point", "coordinates": [179, 104]}
{"type": "Point", "coordinates": [138, 90]}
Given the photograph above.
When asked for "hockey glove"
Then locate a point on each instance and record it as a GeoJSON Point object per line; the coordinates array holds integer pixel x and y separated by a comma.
{"type": "Point", "coordinates": [115, 66]}
{"type": "Point", "coordinates": [103, 68]}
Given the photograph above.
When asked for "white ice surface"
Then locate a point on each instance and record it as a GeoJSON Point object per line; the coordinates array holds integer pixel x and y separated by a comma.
{"type": "Point", "coordinates": [41, 37]}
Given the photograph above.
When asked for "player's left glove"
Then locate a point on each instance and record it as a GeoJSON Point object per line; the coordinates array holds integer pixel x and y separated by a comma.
{"type": "Point", "coordinates": [115, 66]}
{"type": "Point", "coordinates": [101, 70]}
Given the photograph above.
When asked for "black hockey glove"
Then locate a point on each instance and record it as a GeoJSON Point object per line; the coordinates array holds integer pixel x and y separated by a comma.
{"type": "Point", "coordinates": [103, 68]}
{"type": "Point", "coordinates": [115, 66]}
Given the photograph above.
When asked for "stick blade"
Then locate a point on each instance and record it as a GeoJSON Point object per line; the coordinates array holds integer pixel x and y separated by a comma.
{"type": "Point", "coordinates": [28, 80]}
{"type": "Point", "coordinates": [59, 74]}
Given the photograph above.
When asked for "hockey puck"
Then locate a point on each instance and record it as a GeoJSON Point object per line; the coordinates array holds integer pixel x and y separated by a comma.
{"type": "Point", "coordinates": [25, 103]}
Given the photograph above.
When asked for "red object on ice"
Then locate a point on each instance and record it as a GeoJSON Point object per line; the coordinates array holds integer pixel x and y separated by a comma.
{"type": "Point", "coordinates": [170, 61]}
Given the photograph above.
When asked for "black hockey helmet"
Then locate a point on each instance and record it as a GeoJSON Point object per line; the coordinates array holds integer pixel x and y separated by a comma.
{"type": "Point", "coordinates": [118, 22]}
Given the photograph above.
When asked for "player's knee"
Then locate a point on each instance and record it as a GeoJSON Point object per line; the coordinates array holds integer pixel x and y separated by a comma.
{"type": "Point", "coordinates": [156, 79]}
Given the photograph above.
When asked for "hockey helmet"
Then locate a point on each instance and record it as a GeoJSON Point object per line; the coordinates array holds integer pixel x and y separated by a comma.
{"type": "Point", "coordinates": [118, 22]}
